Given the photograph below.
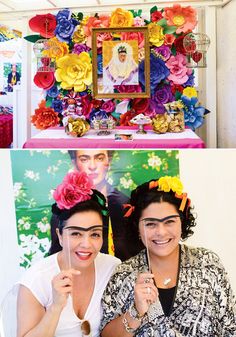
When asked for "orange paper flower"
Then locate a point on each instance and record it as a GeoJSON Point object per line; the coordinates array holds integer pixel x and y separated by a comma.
{"type": "Point", "coordinates": [184, 18]}
{"type": "Point", "coordinates": [44, 117]}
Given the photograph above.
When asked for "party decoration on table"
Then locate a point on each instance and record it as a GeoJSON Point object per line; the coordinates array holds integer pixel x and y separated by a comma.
{"type": "Point", "coordinates": [103, 125]}
{"type": "Point", "coordinates": [175, 115]}
{"type": "Point", "coordinates": [66, 41]}
{"type": "Point", "coordinates": [196, 46]}
{"type": "Point", "coordinates": [141, 120]}
{"type": "Point", "coordinates": [160, 123]}
{"type": "Point", "coordinates": [76, 127]}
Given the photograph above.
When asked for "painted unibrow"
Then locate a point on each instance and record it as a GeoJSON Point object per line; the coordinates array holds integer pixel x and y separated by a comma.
{"type": "Point", "coordinates": [161, 220]}
{"type": "Point", "coordinates": [85, 229]}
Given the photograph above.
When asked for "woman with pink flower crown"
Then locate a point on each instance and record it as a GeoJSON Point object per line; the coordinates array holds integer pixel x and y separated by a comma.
{"type": "Point", "coordinates": [61, 294]}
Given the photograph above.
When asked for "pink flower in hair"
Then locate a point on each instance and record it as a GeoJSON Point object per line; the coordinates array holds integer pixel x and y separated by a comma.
{"type": "Point", "coordinates": [75, 187]}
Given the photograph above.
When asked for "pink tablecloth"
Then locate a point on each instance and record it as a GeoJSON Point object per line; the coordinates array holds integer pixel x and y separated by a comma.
{"type": "Point", "coordinates": [6, 130]}
{"type": "Point", "coordinates": [57, 138]}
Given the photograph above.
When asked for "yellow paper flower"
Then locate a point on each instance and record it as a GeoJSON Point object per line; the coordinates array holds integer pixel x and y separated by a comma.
{"type": "Point", "coordinates": [164, 184]}
{"type": "Point", "coordinates": [78, 35]}
{"type": "Point", "coordinates": [176, 185]}
{"type": "Point", "coordinates": [121, 18]}
{"type": "Point", "coordinates": [168, 183]}
{"type": "Point", "coordinates": [156, 36]}
{"type": "Point", "coordinates": [57, 49]}
{"type": "Point", "coordinates": [74, 71]}
{"type": "Point", "coordinates": [190, 92]}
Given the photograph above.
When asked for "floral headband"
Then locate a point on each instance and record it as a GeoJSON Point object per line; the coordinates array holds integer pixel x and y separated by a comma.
{"type": "Point", "coordinates": [76, 187]}
{"type": "Point", "coordinates": [166, 184]}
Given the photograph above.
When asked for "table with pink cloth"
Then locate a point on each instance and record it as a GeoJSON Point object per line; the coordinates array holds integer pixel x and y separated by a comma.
{"type": "Point", "coordinates": [6, 130]}
{"type": "Point", "coordinates": [57, 138]}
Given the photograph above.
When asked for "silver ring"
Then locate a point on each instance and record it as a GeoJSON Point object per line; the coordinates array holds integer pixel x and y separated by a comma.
{"type": "Point", "coordinates": [148, 290]}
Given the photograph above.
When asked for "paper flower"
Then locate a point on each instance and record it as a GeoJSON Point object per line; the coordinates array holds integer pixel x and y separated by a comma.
{"type": "Point", "coordinates": [74, 71]}
{"type": "Point", "coordinates": [65, 26]}
{"type": "Point", "coordinates": [121, 18]}
{"type": "Point", "coordinates": [44, 24]}
{"type": "Point", "coordinates": [184, 18]}
{"type": "Point", "coordinates": [44, 79]}
{"type": "Point", "coordinates": [76, 187]}
{"type": "Point", "coordinates": [44, 117]}
{"type": "Point", "coordinates": [168, 183]}
{"type": "Point", "coordinates": [156, 36]}
{"type": "Point", "coordinates": [138, 36]}
{"type": "Point", "coordinates": [178, 69]}
{"type": "Point", "coordinates": [56, 48]}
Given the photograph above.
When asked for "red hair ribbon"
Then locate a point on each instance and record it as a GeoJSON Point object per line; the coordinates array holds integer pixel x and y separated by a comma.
{"type": "Point", "coordinates": [153, 184]}
{"type": "Point", "coordinates": [130, 210]}
{"type": "Point", "coordinates": [184, 198]}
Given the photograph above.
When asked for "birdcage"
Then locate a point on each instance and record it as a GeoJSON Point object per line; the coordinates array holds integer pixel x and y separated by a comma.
{"type": "Point", "coordinates": [44, 62]}
{"type": "Point", "coordinates": [196, 46]}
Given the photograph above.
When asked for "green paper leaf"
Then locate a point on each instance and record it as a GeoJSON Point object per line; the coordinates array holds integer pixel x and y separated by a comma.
{"type": "Point", "coordinates": [33, 38]}
{"type": "Point", "coordinates": [178, 95]}
{"type": "Point", "coordinates": [153, 9]}
{"type": "Point", "coordinates": [162, 23]}
{"type": "Point", "coordinates": [49, 101]}
{"type": "Point", "coordinates": [169, 29]}
{"type": "Point", "coordinates": [173, 50]}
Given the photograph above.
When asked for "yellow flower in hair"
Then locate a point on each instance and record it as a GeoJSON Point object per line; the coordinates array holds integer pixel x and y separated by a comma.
{"type": "Point", "coordinates": [164, 184]}
{"type": "Point", "coordinates": [176, 185]}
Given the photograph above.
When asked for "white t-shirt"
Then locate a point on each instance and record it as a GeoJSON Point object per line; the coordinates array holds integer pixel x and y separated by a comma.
{"type": "Point", "coordinates": [38, 279]}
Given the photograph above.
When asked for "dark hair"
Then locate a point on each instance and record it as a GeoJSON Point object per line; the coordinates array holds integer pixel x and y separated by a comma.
{"type": "Point", "coordinates": [97, 203]}
{"type": "Point", "coordinates": [141, 198]}
{"type": "Point", "coordinates": [72, 154]}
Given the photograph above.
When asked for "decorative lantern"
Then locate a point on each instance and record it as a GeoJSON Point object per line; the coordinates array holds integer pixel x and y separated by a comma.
{"type": "Point", "coordinates": [196, 46]}
{"type": "Point", "coordinates": [44, 63]}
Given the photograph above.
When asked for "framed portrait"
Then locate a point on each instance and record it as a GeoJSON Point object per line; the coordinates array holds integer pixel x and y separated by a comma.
{"type": "Point", "coordinates": [121, 62]}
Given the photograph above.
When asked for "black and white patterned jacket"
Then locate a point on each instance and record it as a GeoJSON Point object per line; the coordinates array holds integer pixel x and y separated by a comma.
{"type": "Point", "coordinates": [203, 305]}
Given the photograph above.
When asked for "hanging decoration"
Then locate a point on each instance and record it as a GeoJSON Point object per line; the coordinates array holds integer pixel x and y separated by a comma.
{"type": "Point", "coordinates": [67, 41]}
{"type": "Point", "coordinates": [196, 46]}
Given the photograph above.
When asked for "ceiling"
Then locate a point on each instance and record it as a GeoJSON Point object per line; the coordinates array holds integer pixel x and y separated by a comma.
{"type": "Point", "coordinates": [26, 7]}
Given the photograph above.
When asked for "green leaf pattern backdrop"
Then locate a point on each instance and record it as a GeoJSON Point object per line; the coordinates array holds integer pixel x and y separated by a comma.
{"type": "Point", "coordinates": [37, 173]}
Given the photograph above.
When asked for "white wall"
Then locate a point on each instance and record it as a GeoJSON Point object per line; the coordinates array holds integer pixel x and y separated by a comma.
{"type": "Point", "coordinates": [209, 178]}
{"type": "Point", "coordinates": [226, 79]}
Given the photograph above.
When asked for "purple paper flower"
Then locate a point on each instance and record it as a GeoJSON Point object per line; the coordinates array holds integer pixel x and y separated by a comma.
{"type": "Point", "coordinates": [99, 114]}
{"type": "Point", "coordinates": [163, 94]}
{"type": "Point", "coordinates": [80, 47]}
{"type": "Point", "coordinates": [158, 71]}
{"type": "Point", "coordinates": [156, 108]}
{"type": "Point", "coordinates": [164, 51]}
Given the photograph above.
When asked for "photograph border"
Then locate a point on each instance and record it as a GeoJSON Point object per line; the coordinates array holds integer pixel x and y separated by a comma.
{"type": "Point", "coordinates": [143, 94]}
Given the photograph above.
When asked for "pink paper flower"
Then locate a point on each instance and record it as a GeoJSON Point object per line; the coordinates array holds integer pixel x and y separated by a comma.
{"type": "Point", "coordinates": [108, 106]}
{"type": "Point", "coordinates": [178, 69]}
{"type": "Point", "coordinates": [103, 37]}
{"type": "Point", "coordinates": [76, 187]}
{"type": "Point", "coordinates": [139, 22]}
{"type": "Point", "coordinates": [134, 36]}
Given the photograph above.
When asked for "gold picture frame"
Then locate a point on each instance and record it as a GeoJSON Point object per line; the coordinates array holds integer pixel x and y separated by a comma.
{"type": "Point", "coordinates": [119, 63]}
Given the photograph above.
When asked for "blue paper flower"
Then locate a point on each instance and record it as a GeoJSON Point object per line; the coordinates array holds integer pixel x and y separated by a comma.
{"type": "Point", "coordinates": [53, 92]}
{"type": "Point", "coordinates": [57, 105]}
{"type": "Point", "coordinates": [65, 26]}
{"type": "Point", "coordinates": [99, 114]}
{"type": "Point", "coordinates": [158, 71]}
{"type": "Point", "coordinates": [194, 118]}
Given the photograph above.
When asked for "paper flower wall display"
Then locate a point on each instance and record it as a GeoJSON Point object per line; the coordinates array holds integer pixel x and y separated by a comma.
{"type": "Point", "coordinates": [67, 44]}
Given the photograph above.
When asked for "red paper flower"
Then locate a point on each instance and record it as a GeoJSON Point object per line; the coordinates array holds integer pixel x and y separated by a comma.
{"type": "Point", "coordinates": [44, 24]}
{"type": "Point", "coordinates": [76, 187]}
{"type": "Point", "coordinates": [44, 117]}
{"type": "Point", "coordinates": [44, 79]}
{"type": "Point", "coordinates": [126, 117]}
{"type": "Point", "coordinates": [140, 105]}
{"type": "Point", "coordinates": [179, 44]}
{"type": "Point", "coordinates": [156, 16]}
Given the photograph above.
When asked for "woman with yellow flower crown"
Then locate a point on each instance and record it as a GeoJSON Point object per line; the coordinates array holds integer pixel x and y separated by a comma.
{"type": "Point", "coordinates": [167, 289]}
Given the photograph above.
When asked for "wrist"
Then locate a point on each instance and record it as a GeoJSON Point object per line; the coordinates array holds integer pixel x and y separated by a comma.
{"type": "Point", "coordinates": [134, 313]}
{"type": "Point", "coordinates": [130, 324]}
{"type": "Point", "coordinates": [56, 308]}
